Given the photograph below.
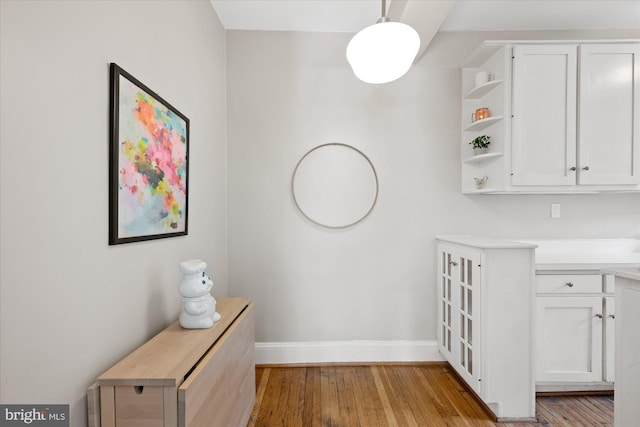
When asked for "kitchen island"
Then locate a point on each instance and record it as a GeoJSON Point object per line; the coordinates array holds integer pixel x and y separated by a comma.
{"type": "Point", "coordinates": [627, 348]}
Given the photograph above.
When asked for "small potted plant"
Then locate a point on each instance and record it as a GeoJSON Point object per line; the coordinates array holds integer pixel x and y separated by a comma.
{"type": "Point", "coordinates": [480, 144]}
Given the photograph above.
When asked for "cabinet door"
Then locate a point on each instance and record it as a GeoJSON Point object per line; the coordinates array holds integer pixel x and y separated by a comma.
{"type": "Point", "coordinates": [609, 338]}
{"type": "Point", "coordinates": [544, 115]}
{"type": "Point", "coordinates": [221, 390]}
{"type": "Point", "coordinates": [446, 260]}
{"type": "Point", "coordinates": [459, 311]}
{"type": "Point", "coordinates": [467, 316]}
{"type": "Point", "coordinates": [569, 339]}
{"type": "Point", "coordinates": [609, 114]}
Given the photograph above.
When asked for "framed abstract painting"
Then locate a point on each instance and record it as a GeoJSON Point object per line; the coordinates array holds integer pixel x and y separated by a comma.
{"type": "Point", "coordinates": [148, 163]}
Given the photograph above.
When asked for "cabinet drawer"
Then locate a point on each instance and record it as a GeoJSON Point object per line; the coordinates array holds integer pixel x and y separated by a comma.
{"type": "Point", "coordinates": [568, 283]}
{"type": "Point", "coordinates": [139, 406]}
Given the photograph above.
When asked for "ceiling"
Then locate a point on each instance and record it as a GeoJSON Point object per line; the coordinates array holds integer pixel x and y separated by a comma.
{"type": "Point", "coordinates": [461, 15]}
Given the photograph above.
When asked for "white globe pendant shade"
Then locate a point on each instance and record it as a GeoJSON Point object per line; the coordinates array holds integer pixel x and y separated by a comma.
{"type": "Point", "coordinates": [383, 52]}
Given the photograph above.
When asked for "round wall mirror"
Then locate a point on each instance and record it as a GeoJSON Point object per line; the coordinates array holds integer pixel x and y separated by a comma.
{"type": "Point", "coordinates": [335, 185]}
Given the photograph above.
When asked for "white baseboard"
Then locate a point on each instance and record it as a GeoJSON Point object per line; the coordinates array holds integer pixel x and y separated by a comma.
{"type": "Point", "coordinates": [268, 353]}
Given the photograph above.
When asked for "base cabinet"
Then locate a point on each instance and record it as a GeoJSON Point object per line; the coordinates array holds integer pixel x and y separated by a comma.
{"type": "Point", "coordinates": [575, 321]}
{"type": "Point", "coordinates": [569, 339]}
{"type": "Point", "coordinates": [183, 377]}
{"type": "Point", "coordinates": [627, 388]}
{"type": "Point", "coordinates": [485, 304]}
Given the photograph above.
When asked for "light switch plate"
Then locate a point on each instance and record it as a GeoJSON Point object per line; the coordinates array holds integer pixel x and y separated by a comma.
{"type": "Point", "coordinates": [555, 210]}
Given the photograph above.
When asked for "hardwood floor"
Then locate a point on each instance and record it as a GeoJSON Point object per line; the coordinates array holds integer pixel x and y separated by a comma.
{"type": "Point", "coordinates": [415, 395]}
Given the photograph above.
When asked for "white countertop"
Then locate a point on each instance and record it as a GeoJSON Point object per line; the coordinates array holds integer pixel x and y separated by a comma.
{"type": "Point", "coordinates": [586, 261]}
{"type": "Point", "coordinates": [486, 242]}
{"type": "Point", "coordinates": [632, 273]}
{"type": "Point", "coordinates": [564, 254]}
{"type": "Point", "coordinates": [586, 254]}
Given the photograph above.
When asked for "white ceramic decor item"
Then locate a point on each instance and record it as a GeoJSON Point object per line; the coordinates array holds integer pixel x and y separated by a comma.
{"type": "Point", "coordinates": [198, 306]}
{"type": "Point", "coordinates": [480, 182]}
{"type": "Point", "coordinates": [483, 77]}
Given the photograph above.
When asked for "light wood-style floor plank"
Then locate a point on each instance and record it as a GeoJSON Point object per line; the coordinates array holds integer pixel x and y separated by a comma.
{"type": "Point", "coordinates": [312, 415]}
{"type": "Point", "coordinates": [397, 395]}
{"type": "Point", "coordinates": [399, 399]}
{"type": "Point", "coordinates": [348, 406]}
{"type": "Point", "coordinates": [443, 411]}
{"type": "Point", "coordinates": [388, 411]}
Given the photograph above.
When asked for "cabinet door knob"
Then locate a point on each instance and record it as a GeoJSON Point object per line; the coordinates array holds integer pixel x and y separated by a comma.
{"type": "Point", "coordinates": [613, 316]}
{"type": "Point", "coordinates": [569, 284]}
{"type": "Point", "coordinates": [572, 168]}
{"type": "Point", "coordinates": [599, 316]}
{"type": "Point", "coordinates": [453, 263]}
{"type": "Point", "coordinates": [586, 168]}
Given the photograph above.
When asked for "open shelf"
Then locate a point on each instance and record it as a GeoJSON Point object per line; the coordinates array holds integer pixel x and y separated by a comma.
{"type": "Point", "coordinates": [484, 190]}
{"type": "Point", "coordinates": [479, 92]}
{"type": "Point", "coordinates": [484, 123]}
{"type": "Point", "coordinates": [482, 157]}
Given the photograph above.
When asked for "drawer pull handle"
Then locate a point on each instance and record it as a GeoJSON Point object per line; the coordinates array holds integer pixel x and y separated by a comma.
{"type": "Point", "coordinates": [586, 168]}
{"type": "Point", "coordinates": [453, 263]}
{"type": "Point", "coordinates": [569, 284]}
{"type": "Point", "coordinates": [613, 316]}
{"type": "Point", "coordinates": [599, 316]}
{"type": "Point", "coordinates": [572, 168]}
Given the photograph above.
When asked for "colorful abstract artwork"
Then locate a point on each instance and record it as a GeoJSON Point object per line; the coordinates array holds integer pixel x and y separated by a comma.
{"type": "Point", "coordinates": [149, 163]}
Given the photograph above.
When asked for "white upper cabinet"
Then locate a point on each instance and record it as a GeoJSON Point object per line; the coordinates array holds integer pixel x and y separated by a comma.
{"type": "Point", "coordinates": [566, 117]}
{"type": "Point", "coordinates": [544, 115]}
{"type": "Point", "coordinates": [609, 114]}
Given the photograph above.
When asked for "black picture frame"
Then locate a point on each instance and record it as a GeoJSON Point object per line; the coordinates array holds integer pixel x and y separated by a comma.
{"type": "Point", "coordinates": [148, 163]}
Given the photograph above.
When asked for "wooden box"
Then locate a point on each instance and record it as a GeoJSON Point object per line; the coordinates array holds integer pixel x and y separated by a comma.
{"type": "Point", "coordinates": [183, 377]}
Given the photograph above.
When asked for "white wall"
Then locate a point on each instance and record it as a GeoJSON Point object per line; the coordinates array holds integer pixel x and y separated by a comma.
{"type": "Point", "coordinates": [289, 92]}
{"type": "Point", "coordinates": [70, 305]}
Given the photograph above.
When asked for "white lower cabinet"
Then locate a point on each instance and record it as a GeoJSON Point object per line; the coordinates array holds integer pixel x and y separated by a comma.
{"type": "Point", "coordinates": [569, 339]}
{"type": "Point", "coordinates": [627, 388]}
{"type": "Point", "coordinates": [485, 311]}
{"type": "Point", "coordinates": [460, 318]}
{"type": "Point", "coordinates": [574, 333]}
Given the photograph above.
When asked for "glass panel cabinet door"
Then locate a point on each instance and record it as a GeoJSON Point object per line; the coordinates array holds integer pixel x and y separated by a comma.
{"type": "Point", "coordinates": [458, 317]}
{"type": "Point", "coordinates": [445, 325]}
{"type": "Point", "coordinates": [468, 288]}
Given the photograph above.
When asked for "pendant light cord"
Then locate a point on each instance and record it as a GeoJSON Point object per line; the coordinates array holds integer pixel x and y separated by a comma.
{"type": "Point", "coordinates": [383, 18]}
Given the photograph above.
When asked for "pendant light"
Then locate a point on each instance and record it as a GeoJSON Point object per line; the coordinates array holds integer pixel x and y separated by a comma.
{"type": "Point", "coordinates": [383, 52]}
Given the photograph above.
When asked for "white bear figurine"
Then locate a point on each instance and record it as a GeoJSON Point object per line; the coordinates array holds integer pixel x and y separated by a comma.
{"type": "Point", "coordinates": [198, 306]}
